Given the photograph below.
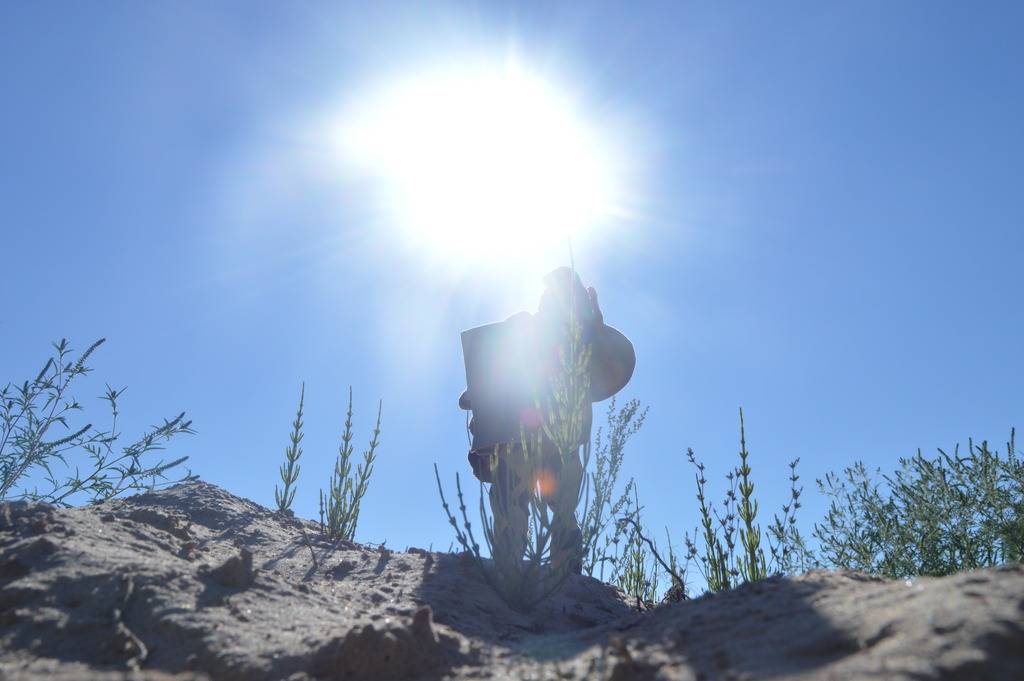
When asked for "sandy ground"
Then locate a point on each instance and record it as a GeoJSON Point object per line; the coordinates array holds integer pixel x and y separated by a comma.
{"type": "Point", "coordinates": [194, 583]}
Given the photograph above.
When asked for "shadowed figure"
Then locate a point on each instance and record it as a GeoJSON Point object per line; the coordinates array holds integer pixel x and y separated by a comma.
{"type": "Point", "coordinates": [509, 366]}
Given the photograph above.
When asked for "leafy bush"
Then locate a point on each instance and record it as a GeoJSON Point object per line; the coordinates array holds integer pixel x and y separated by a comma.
{"type": "Point", "coordinates": [932, 517]}
{"type": "Point", "coordinates": [36, 437]}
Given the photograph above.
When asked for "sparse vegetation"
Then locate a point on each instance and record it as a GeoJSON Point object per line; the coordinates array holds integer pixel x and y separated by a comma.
{"type": "Point", "coordinates": [789, 551]}
{"type": "Point", "coordinates": [339, 507]}
{"type": "Point", "coordinates": [931, 517]}
{"type": "Point", "coordinates": [600, 507]}
{"type": "Point", "coordinates": [635, 570]}
{"type": "Point", "coordinates": [615, 548]}
{"type": "Point", "coordinates": [289, 470]}
{"type": "Point", "coordinates": [732, 552]}
{"type": "Point", "coordinates": [37, 440]}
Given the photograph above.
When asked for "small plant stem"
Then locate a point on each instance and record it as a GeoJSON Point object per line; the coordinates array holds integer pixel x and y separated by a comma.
{"type": "Point", "coordinates": [654, 551]}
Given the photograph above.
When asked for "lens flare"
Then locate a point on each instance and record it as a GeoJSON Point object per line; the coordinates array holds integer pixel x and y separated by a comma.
{"type": "Point", "coordinates": [546, 484]}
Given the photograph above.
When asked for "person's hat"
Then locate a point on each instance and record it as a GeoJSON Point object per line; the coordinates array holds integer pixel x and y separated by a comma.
{"type": "Point", "coordinates": [612, 361]}
{"type": "Point", "coordinates": [612, 355]}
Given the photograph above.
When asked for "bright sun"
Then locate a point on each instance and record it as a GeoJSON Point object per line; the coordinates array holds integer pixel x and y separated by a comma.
{"type": "Point", "coordinates": [481, 164]}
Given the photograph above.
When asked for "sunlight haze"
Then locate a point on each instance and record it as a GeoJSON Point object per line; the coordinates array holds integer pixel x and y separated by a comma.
{"type": "Point", "coordinates": [485, 164]}
{"type": "Point", "coordinates": [808, 210]}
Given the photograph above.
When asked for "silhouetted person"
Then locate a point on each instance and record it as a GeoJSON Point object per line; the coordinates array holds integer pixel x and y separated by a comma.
{"type": "Point", "coordinates": [508, 365]}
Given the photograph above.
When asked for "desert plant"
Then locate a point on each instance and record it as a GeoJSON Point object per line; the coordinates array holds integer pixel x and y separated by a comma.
{"type": "Point", "coordinates": [752, 564]}
{"type": "Point", "coordinates": [635, 567]}
{"type": "Point", "coordinates": [638, 577]}
{"type": "Point", "coordinates": [717, 560]}
{"type": "Point", "coordinates": [789, 551]}
{"type": "Point", "coordinates": [600, 505]}
{"type": "Point", "coordinates": [725, 562]}
{"type": "Point", "coordinates": [289, 470]}
{"type": "Point", "coordinates": [339, 507]}
{"type": "Point", "coordinates": [933, 516]}
{"type": "Point", "coordinates": [33, 412]}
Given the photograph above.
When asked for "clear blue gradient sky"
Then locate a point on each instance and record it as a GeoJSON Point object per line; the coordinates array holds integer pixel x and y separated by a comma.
{"type": "Point", "coordinates": [826, 229]}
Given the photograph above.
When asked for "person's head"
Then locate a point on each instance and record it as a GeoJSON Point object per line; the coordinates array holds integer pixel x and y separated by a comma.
{"type": "Point", "coordinates": [563, 288]}
{"type": "Point", "coordinates": [613, 358]}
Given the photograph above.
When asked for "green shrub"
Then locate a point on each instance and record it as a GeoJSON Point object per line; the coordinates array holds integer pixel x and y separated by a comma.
{"type": "Point", "coordinates": [289, 470]}
{"type": "Point", "coordinates": [790, 554]}
{"type": "Point", "coordinates": [635, 568]}
{"type": "Point", "coordinates": [37, 438]}
{"type": "Point", "coordinates": [600, 505]}
{"type": "Point", "coordinates": [931, 517]}
{"type": "Point", "coordinates": [339, 506]}
{"type": "Point", "coordinates": [728, 550]}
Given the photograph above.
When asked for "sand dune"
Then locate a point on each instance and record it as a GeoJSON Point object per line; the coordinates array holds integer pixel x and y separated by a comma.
{"type": "Point", "coordinates": [194, 583]}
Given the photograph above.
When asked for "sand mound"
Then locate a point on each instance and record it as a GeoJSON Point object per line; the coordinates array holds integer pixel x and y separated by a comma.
{"type": "Point", "coordinates": [194, 583]}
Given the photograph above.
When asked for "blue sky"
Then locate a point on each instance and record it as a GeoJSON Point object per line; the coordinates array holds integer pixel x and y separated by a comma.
{"type": "Point", "coordinates": [825, 228]}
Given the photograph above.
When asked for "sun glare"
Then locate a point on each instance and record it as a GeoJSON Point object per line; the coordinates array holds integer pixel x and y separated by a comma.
{"type": "Point", "coordinates": [481, 165]}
